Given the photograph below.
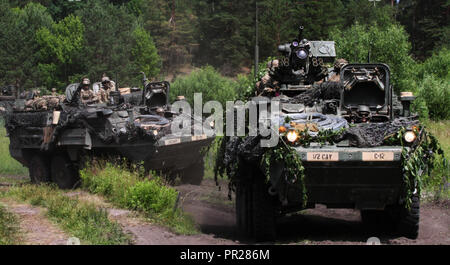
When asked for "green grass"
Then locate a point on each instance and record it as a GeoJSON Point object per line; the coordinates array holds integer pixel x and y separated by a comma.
{"type": "Point", "coordinates": [441, 129]}
{"type": "Point", "coordinates": [210, 159]}
{"type": "Point", "coordinates": [80, 219]}
{"type": "Point", "coordinates": [129, 189]}
{"type": "Point", "coordinates": [437, 183]}
{"type": "Point", "coordinates": [9, 228]}
{"type": "Point", "coordinates": [8, 165]}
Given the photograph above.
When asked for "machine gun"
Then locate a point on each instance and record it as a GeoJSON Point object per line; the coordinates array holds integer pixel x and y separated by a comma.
{"type": "Point", "coordinates": [303, 62]}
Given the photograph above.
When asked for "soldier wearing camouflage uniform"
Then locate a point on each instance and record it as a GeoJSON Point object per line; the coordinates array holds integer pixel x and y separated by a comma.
{"type": "Point", "coordinates": [54, 100]}
{"type": "Point", "coordinates": [36, 102]}
{"type": "Point", "coordinates": [267, 85]}
{"type": "Point", "coordinates": [107, 86]}
{"type": "Point", "coordinates": [336, 73]}
{"type": "Point", "coordinates": [87, 95]}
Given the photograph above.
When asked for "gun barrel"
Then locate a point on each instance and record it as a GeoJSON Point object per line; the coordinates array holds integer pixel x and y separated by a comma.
{"type": "Point", "coordinates": [300, 32]}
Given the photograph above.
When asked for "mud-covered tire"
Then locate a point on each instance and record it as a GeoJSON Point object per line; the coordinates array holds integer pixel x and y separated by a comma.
{"type": "Point", "coordinates": [243, 209]}
{"type": "Point", "coordinates": [407, 221]}
{"type": "Point", "coordinates": [264, 215]}
{"type": "Point", "coordinates": [193, 174]}
{"type": "Point", "coordinates": [39, 169]}
{"type": "Point", "coordinates": [64, 173]}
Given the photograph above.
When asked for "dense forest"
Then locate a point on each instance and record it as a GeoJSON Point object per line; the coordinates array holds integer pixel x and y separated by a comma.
{"type": "Point", "coordinates": [48, 43]}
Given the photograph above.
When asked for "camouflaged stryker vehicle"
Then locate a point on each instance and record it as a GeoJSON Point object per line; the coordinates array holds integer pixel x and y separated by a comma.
{"type": "Point", "coordinates": [349, 135]}
{"type": "Point", "coordinates": [135, 124]}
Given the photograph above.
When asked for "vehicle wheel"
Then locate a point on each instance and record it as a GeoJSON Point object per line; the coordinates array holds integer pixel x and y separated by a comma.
{"type": "Point", "coordinates": [64, 172]}
{"type": "Point", "coordinates": [194, 173]}
{"type": "Point", "coordinates": [263, 208]}
{"type": "Point", "coordinates": [372, 217]}
{"type": "Point", "coordinates": [407, 221]}
{"type": "Point", "coordinates": [243, 208]}
{"type": "Point", "coordinates": [39, 169]}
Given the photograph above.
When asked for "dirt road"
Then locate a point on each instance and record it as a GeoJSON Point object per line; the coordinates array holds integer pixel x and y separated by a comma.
{"type": "Point", "coordinates": [214, 214]}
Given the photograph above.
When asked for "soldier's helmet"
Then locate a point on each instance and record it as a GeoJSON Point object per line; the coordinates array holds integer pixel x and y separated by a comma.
{"type": "Point", "coordinates": [85, 82]}
{"type": "Point", "coordinates": [105, 79]}
{"type": "Point", "coordinates": [339, 64]}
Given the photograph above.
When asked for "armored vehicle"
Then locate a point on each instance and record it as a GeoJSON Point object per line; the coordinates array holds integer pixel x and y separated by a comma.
{"type": "Point", "coordinates": [342, 144]}
{"type": "Point", "coordinates": [52, 141]}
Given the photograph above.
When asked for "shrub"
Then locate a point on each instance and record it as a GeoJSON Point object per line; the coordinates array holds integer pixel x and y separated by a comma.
{"type": "Point", "coordinates": [152, 196]}
{"type": "Point", "coordinates": [437, 65]}
{"type": "Point", "coordinates": [128, 188]}
{"type": "Point", "coordinates": [109, 180]}
{"type": "Point", "coordinates": [387, 44]}
{"type": "Point", "coordinates": [207, 81]}
{"type": "Point", "coordinates": [435, 93]}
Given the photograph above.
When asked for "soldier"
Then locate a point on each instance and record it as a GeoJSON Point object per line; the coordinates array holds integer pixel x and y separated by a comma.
{"type": "Point", "coordinates": [336, 73]}
{"type": "Point", "coordinates": [267, 85]}
{"type": "Point", "coordinates": [36, 102]}
{"type": "Point", "coordinates": [107, 86]}
{"type": "Point", "coordinates": [54, 100]}
{"type": "Point", "coordinates": [87, 95]}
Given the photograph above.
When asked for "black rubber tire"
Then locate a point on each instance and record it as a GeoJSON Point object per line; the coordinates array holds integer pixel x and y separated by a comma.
{"type": "Point", "coordinates": [372, 217]}
{"type": "Point", "coordinates": [64, 173]}
{"type": "Point", "coordinates": [194, 174]}
{"type": "Point", "coordinates": [263, 209]}
{"type": "Point", "coordinates": [39, 169]}
{"type": "Point", "coordinates": [243, 210]}
{"type": "Point", "coordinates": [407, 221]}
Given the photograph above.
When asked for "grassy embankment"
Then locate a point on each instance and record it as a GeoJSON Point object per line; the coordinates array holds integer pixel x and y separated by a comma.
{"type": "Point", "coordinates": [132, 189]}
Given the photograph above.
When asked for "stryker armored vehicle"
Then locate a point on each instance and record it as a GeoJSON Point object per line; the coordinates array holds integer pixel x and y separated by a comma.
{"type": "Point", "coordinates": [342, 144]}
{"type": "Point", "coordinates": [135, 124]}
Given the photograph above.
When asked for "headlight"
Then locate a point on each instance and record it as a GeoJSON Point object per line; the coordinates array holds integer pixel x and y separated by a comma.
{"type": "Point", "coordinates": [301, 54]}
{"type": "Point", "coordinates": [409, 136]}
{"type": "Point", "coordinates": [292, 136]}
{"type": "Point", "coordinates": [155, 132]}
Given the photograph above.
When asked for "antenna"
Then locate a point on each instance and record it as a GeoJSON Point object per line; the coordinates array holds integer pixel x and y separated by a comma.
{"type": "Point", "coordinates": [300, 33]}
{"type": "Point", "coordinates": [117, 82]}
{"type": "Point", "coordinates": [256, 41]}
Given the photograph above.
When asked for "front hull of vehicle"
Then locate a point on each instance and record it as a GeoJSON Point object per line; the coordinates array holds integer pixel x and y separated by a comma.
{"type": "Point", "coordinates": [348, 178]}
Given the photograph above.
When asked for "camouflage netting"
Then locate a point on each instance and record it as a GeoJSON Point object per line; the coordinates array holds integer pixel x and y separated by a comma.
{"type": "Point", "coordinates": [324, 91]}
{"type": "Point", "coordinates": [247, 150]}
{"type": "Point", "coordinates": [374, 134]}
{"type": "Point", "coordinates": [108, 129]}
